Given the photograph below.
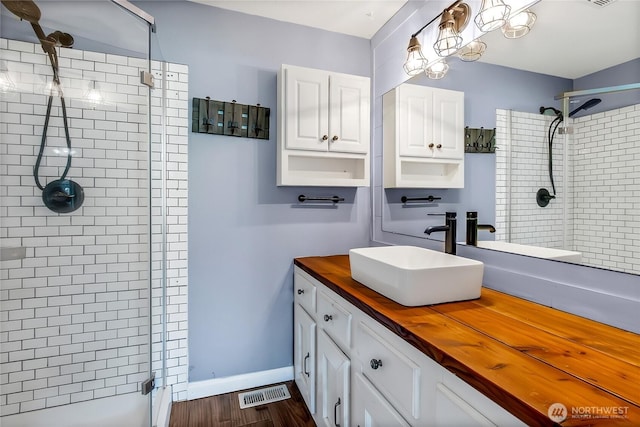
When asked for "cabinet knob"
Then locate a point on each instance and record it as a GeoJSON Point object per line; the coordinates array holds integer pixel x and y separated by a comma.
{"type": "Point", "coordinates": [431, 145]}
{"type": "Point", "coordinates": [328, 317]}
{"type": "Point", "coordinates": [375, 363]}
{"type": "Point", "coordinates": [439, 146]}
{"type": "Point", "coordinates": [335, 138]}
{"type": "Point", "coordinates": [325, 137]}
{"type": "Point", "coordinates": [300, 291]}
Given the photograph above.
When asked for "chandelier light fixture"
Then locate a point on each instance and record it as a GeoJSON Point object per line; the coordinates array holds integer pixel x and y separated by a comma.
{"type": "Point", "coordinates": [454, 19]}
{"type": "Point", "coordinates": [472, 51]}
{"type": "Point", "coordinates": [519, 24]}
{"type": "Point", "coordinates": [437, 70]}
{"type": "Point", "coordinates": [416, 62]}
{"type": "Point", "coordinates": [493, 14]}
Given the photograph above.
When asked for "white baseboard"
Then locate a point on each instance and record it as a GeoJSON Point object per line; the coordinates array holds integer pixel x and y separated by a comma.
{"type": "Point", "coordinates": [206, 388]}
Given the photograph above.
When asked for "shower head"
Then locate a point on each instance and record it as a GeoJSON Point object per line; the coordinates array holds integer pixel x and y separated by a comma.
{"type": "Point", "coordinates": [555, 110]}
{"type": "Point", "coordinates": [590, 103]}
{"type": "Point", "coordinates": [23, 9]}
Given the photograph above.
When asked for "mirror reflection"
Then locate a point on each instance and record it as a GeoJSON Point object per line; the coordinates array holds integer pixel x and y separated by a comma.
{"type": "Point", "coordinates": [593, 154]}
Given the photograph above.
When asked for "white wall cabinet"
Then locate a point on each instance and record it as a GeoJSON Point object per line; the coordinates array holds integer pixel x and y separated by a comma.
{"type": "Point", "coordinates": [375, 378]}
{"type": "Point", "coordinates": [323, 128]}
{"type": "Point", "coordinates": [423, 137]}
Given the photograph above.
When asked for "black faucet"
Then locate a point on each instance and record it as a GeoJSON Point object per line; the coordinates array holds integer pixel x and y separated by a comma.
{"type": "Point", "coordinates": [473, 227]}
{"type": "Point", "coordinates": [450, 229]}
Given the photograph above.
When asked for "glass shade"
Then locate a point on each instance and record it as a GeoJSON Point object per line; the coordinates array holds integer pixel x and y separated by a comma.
{"type": "Point", "coordinates": [519, 24]}
{"type": "Point", "coordinates": [472, 51]}
{"type": "Point", "coordinates": [437, 70]}
{"type": "Point", "coordinates": [93, 95]}
{"type": "Point", "coordinates": [493, 14]}
{"type": "Point", "coordinates": [448, 41]}
{"type": "Point", "coordinates": [6, 83]}
{"type": "Point", "coordinates": [416, 62]}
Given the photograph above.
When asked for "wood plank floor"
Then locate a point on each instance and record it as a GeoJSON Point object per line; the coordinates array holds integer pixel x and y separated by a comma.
{"type": "Point", "coordinates": [224, 411]}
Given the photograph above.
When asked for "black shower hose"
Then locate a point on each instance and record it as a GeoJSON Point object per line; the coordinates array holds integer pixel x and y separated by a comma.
{"type": "Point", "coordinates": [551, 134]}
{"type": "Point", "coordinates": [43, 141]}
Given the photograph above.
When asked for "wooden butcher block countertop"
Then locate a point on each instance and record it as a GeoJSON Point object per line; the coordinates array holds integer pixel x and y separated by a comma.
{"type": "Point", "coordinates": [522, 355]}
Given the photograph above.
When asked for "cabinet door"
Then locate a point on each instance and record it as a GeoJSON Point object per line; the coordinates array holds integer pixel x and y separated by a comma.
{"type": "Point", "coordinates": [304, 356]}
{"type": "Point", "coordinates": [415, 121]}
{"type": "Point", "coordinates": [448, 124]}
{"type": "Point", "coordinates": [333, 383]}
{"type": "Point", "coordinates": [451, 410]}
{"type": "Point", "coordinates": [370, 409]}
{"type": "Point", "coordinates": [349, 114]}
{"type": "Point", "coordinates": [306, 109]}
{"type": "Point", "coordinates": [390, 370]}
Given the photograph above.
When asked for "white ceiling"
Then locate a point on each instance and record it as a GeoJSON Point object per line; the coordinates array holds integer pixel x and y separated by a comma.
{"type": "Point", "coordinates": [361, 18]}
{"type": "Point", "coordinates": [571, 38]}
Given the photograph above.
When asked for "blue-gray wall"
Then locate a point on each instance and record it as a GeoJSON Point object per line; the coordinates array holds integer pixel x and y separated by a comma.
{"type": "Point", "coordinates": [243, 230]}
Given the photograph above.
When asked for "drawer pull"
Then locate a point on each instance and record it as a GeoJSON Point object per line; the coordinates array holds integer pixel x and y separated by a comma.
{"type": "Point", "coordinates": [300, 291]}
{"type": "Point", "coordinates": [304, 365]}
{"type": "Point", "coordinates": [431, 145]}
{"type": "Point", "coordinates": [335, 138]}
{"type": "Point", "coordinates": [328, 317]}
{"type": "Point", "coordinates": [439, 146]}
{"type": "Point", "coordinates": [325, 137]}
{"type": "Point", "coordinates": [335, 413]}
{"type": "Point", "coordinates": [375, 363]}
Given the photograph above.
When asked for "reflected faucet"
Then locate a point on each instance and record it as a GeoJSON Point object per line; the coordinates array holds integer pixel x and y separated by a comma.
{"type": "Point", "coordinates": [473, 227]}
{"type": "Point", "coordinates": [450, 229]}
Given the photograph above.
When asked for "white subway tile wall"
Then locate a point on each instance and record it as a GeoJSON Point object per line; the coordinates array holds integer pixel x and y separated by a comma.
{"type": "Point", "coordinates": [521, 169]}
{"type": "Point", "coordinates": [74, 313]}
{"type": "Point", "coordinates": [606, 159]}
{"type": "Point", "coordinates": [603, 181]}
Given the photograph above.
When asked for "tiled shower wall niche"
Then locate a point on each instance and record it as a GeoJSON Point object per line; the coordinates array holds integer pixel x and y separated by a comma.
{"type": "Point", "coordinates": [75, 311]}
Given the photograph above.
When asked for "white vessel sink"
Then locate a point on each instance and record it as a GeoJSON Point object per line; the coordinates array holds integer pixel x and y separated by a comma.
{"type": "Point", "coordinates": [414, 276]}
{"type": "Point", "coordinates": [535, 251]}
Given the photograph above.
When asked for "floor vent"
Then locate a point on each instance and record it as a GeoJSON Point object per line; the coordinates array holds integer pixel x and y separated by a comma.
{"type": "Point", "coordinates": [263, 396]}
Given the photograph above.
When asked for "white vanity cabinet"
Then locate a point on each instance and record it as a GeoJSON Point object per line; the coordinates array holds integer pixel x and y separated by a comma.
{"type": "Point", "coordinates": [367, 376]}
{"type": "Point", "coordinates": [323, 128]}
{"type": "Point", "coordinates": [423, 137]}
{"type": "Point", "coordinates": [304, 339]}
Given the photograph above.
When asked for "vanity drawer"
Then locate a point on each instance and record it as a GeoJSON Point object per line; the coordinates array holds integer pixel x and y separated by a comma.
{"type": "Point", "coordinates": [392, 372]}
{"type": "Point", "coordinates": [304, 292]}
{"type": "Point", "coordinates": [335, 319]}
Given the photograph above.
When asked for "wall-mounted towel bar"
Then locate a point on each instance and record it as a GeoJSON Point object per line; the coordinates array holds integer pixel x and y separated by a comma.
{"type": "Point", "coordinates": [429, 198]}
{"type": "Point", "coordinates": [333, 199]}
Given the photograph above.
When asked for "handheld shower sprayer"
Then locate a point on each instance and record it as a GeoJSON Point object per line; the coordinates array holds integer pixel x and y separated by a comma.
{"type": "Point", "coordinates": [60, 195]}
{"type": "Point", "coordinates": [555, 110]}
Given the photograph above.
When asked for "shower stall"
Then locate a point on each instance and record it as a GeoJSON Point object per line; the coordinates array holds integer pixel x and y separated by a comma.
{"type": "Point", "coordinates": [595, 172]}
{"type": "Point", "coordinates": [93, 200]}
